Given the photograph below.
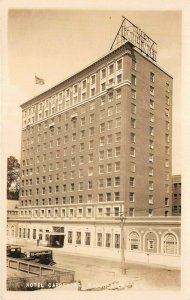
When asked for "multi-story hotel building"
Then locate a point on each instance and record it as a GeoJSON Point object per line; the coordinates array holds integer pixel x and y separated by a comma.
{"type": "Point", "coordinates": [96, 146]}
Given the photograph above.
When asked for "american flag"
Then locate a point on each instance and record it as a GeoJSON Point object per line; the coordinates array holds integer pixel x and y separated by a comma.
{"type": "Point", "coordinates": [39, 80]}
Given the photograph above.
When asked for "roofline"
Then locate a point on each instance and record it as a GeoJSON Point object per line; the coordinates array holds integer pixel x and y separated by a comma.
{"type": "Point", "coordinates": [90, 65]}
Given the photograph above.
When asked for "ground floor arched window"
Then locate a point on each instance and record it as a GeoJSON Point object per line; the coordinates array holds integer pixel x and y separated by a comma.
{"type": "Point", "coordinates": [170, 244]}
{"type": "Point", "coordinates": [134, 241]}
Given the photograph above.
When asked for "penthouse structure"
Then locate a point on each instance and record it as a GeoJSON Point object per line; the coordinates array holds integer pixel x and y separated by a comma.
{"type": "Point", "coordinates": [95, 147]}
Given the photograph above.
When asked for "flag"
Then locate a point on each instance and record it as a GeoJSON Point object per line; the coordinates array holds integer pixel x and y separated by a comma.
{"type": "Point", "coordinates": [39, 80]}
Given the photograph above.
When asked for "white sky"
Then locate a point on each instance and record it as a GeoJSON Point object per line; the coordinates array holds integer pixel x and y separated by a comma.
{"type": "Point", "coordinates": [57, 43]}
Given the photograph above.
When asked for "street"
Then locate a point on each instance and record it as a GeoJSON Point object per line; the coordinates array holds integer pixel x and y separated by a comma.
{"type": "Point", "coordinates": [95, 271]}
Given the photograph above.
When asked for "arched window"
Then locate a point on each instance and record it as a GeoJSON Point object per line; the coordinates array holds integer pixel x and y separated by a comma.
{"type": "Point", "coordinates": [134, 241]}
{"type": "Point", "coordinates": [170, 244]}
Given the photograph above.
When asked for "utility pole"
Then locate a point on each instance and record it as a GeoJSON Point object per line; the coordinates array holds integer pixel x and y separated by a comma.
{"type": "Point", "coordinates": [122, 219]}
{"type": "Point", "coordinates": [122, 247]}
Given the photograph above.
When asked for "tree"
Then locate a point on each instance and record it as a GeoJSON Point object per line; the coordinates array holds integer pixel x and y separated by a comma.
{"type": "Point", "coordinates": [13, 178]}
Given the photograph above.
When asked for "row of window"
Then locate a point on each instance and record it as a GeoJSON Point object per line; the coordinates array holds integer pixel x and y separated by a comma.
{"type": "Point", "coordinates": [169, 241]}
{"type": "Point", "coordinates": [71, 212]}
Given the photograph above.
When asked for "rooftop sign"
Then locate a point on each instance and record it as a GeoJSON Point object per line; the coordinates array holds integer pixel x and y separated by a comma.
{"type": "Point", "coordinates": [130, 32]}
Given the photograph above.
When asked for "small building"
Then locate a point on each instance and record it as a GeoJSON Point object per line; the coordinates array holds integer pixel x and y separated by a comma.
{"type": "Point", "coordinates": [176, 195]}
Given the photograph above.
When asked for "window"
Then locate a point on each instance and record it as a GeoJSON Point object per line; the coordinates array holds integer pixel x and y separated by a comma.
{"type": "Point", "coordinates": [152, 90]}
{"type": "Point", "coordinates": [103, 86]}
{"type": "Point", "coordinates": [150, 199]}
{"type": "Point", "coordinates": [70, 236]}
{"type": "Point", "coordinates": [132, 151]}
{"type": "Point", "coordinates": [109, 139]}
{"type": "Point", "coordinates": [151, 131]}
{"type": "Point", "coordinates": [134, 241]}
{"type": "Point", "coordinates": [151, 185]}
{"type": "Point", "coordinates": [101, 169]}
{"type": "Point", "coordinates": [117, 181]}
{"type": "Point", "coordinates": [151, 77]}
{"type": "Point", "coordinates": [151, 118]}
{"type": "Point", "coordinates": [82, 134]}
{"type": "Point", "coordinates": [71, 212]}
{"type": "Point", "coordinates": [89, 198]}
{"type": "Point", "coordinates": [132, 181]}
{"type": "Point", "coordinates": [92, 105]}
{"type": "Point", "coordinates": [133, 123]}
{"type": "Point", "coordinates": [87, 238]}
{"type": "Point", "coordinates": [109, 168]}
{"type": "Point", "coordinates": [151, 171]}
{"type": "Point", "coordinates": [117, 166]}
{"type": "Point", "coordinates": [118, 94]}
{"type": "Point", "coordinates": [132, 137]}
{"type": "Point", "coordinates": [166, 202]}
{"type": "Point", "coordinates": [116, 196]}
{"type": "Point", "coordinates": [80, 186]}
{"type": "Point", "coordinates": [132, 167]}
{"type": "Point", "coordinates": [108, 197]}
{"type": "Point", "coordinates": [119, 78]}
{"type": "Point", "coordinates": [116, 211]}
{"type": "Point", "coordinates": [110, 124]}
{"type": "Point", "coordinates": [151, 157]}
{"type": "Point", "coordinates": [167, 100]}
{"type": "Point", "coordinates": [133, 94]}
{"type": "Point", "coordinates": [151, 144]}
{"type": "Point", "coordinates": [150, 212]}
{"type": "Point", "coordinates": [84, 84]}
{"type": "Point", "coordinates": [109, 153]}
{"type": "Point", "coordinates": [100, 183]}
{"type": "Point", "coordinates": [99, 239]}
{"type": "Point", "coordinates": [102, 113]}
{"type": "Point", "coordinates": [151, 104]}
{"type": "Point", "coordinates": [91, 144]}
{"type": "Point", "coordinates": [133, 108]}
{"type": "Point", "coordinates": [167, 87]}
{"type": "Point", "coordinates": [89, 212]}
{"type": "Point", "coordinates": [110, 69]}
{"type": "Point", "coordinates": [119, 64]}
{"type": "Point", "coordinates": [170, 244]}
{"type": "Point", "coordinates": [90, 171]}
{"type": "Point", "coordinates": [103, 73]}
{"type": "Point", "coordinates": [118, 123]}
{"type": "Point", "coordinates": [78, 238]}
{"type": "Point", "coordinates": [91, 131]}
{"type": "Point", "coordinates": [110, 111]}
{"type": "Point", "coordinates": [117, 151]}
{"type": "Point", "coordinates": [91, 118]}
{"type": "Point", "coordinates": [81, 159]}
{"type": "Point", "coordinates": [131, 211]}
{"type": "Point", "coordinates": [110, 97]}
{"type": "Point", "coordinates": [118, 107]}
{"type": "Point", "coordinates": [133, 79]}
{"type": "Point", "coordinates": [80, 198]}
{"type": "Point", "coordinates": [102, 127]}
{"type": "Point", "coordinates": [90, 184]}
{"type": "Point", "coordinates": [100, 212]}
{"type": "Point", "coordinates": [90, 157]}
{"type": "Point", "coordinates": [93, 79]}
{"type": "Point", "coordinates": [108, 182]}
{"type": "Point", "coordinates": [132, 197]}
{"type": "Point", "coordinates": [118, 136]}
{"type": "Point", "coordinates": [101, 155]}
{"type": "Point", "coordinates": [92, 92]}
{"type": "Point", "coordinates": [167, 114]}
{"type": "Point", "coordinates": [134, 65]}
{"type": "Point", "coordinates": [79, 212]}
{"type": "Point", "coordinates": [108, 240]}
